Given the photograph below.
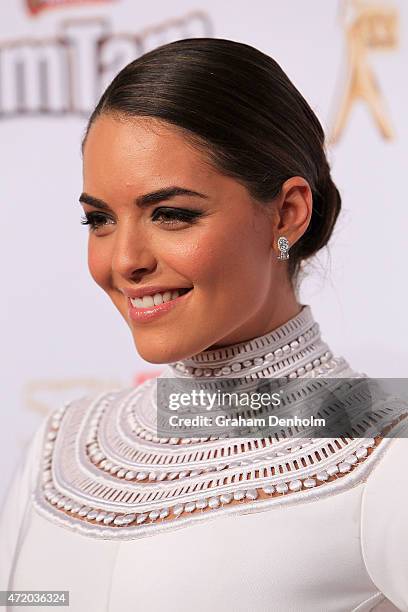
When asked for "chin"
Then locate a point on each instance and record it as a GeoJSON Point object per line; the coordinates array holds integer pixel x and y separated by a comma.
{"type": "Point", "coordinates": [158, 352]}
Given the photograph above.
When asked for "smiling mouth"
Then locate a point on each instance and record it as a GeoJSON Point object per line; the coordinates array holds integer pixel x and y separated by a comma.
{"type": "Point", "coordinates": [149, 301]}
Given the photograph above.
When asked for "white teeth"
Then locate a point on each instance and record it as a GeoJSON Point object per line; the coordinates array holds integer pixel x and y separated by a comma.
{"type": "Point", "coordinates": [147, 301]}
{"type": "Point", "coordinates": [137, 302]}
{"type": "Point", "coordinates": [154, 300]}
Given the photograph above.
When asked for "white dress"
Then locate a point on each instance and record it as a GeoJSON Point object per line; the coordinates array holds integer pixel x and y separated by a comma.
{"type": "Point", "coordinates": [127, 521]}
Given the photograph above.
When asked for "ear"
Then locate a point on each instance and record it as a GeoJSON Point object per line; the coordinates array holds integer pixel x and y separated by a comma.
{"type": "Point", "coordinates": [293, 210]}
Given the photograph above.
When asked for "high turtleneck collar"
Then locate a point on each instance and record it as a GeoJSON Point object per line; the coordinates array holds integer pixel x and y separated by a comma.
{"type": "Point", "coordinates": [293, 349]}
{"type": "Point", "coordinates": [110, 472]}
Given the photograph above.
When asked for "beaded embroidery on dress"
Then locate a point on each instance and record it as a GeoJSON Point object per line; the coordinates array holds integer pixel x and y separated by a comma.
{"type": "Point", "coordinates": [106, 474]}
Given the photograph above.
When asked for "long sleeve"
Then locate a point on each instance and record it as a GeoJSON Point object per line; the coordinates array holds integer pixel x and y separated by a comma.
{"type": "Point", "coordinates": [384, 525]}
{"type": "Point", "coordinates": [16, 504]}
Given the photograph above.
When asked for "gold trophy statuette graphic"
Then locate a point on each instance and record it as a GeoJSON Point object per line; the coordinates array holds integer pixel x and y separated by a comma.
{"type": "Point", "coordinates": [368, 26]}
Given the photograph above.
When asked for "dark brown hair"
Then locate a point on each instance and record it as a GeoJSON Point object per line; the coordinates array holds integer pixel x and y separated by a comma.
{"type": "Point", "coordinates": [255, 125]}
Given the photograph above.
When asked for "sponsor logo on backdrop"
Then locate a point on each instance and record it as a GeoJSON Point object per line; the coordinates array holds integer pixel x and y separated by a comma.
{"type": "Point", "coordinates": [37, 6]}
{"type": "Point", "coordinates": [66, 73]}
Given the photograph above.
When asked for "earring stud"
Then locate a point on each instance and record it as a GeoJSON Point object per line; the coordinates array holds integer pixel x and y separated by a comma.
{"type": "Point", "coordinates": [283, 246]}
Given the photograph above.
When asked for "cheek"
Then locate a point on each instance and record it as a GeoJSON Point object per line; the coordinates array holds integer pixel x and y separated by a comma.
{"type": "Point", "coordinates": [229, 256]}
{"type": "Point", "coordinates": [99, 264]}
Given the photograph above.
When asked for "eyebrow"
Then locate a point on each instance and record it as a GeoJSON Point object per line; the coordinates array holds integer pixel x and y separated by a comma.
{"type": "Point", "coordinates": [146, 200]}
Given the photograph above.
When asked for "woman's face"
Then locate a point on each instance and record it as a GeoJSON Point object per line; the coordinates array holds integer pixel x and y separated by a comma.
{"type": "Point", "coordinates": [218, 243]}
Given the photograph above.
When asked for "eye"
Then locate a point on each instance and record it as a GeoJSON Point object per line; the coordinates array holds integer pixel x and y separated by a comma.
{"type": "Point", "coordinates": [94, 220]}
{"type": "Point", "coordinates": [162, 215]}
{"type": "Point", "coordinates": [174, 216]}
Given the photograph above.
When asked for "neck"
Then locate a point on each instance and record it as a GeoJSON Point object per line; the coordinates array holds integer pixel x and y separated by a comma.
{"type": "Point", "coordinates": [293, 349]}
{"type": "Point", "coordinates": [268, 319]}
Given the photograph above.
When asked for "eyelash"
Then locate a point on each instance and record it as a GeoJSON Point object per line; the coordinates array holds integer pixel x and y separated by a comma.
{"type": "Point", "coordinates": [175, 215]}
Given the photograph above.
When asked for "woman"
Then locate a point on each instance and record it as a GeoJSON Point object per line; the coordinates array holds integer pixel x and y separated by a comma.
{"type": "Point", "coordinates": [206, 187]}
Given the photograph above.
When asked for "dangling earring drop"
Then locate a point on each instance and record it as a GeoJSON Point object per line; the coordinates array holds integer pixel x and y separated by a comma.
{"type": "Point", "coordinates": [283, 246]}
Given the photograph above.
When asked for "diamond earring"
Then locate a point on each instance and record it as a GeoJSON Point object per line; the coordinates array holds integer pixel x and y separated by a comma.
{"type": "Point", "coordinates": [283, 246]}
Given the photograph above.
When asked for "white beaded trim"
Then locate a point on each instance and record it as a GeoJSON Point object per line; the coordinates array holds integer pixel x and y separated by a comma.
{"type": "Point", "coordinates": [48, 500]}
{"type": "Point", "coordinates": [298, 348]}
{"type": "Point", "coordinates": [310, 370]}
{"type": "Point", "coordinates": [253, 498]}
{"type": "Point", "coordinates": [241, 493]}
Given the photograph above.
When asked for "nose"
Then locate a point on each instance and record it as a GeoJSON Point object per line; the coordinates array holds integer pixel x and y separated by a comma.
{"type": "Point", "coordinates": [132, 255]}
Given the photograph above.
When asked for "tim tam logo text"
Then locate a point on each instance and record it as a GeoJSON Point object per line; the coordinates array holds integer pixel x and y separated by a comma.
{"type": "Point", "coordinates": [66, 74]}
{"type": "Point", "coordinates": [36, 6]}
